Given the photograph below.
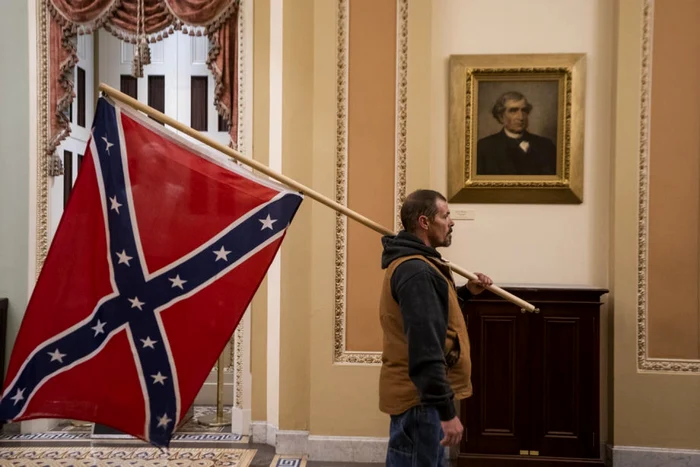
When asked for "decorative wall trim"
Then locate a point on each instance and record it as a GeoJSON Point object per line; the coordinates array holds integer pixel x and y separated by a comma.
{"type": "Point", "coordinates": [401, 107]}
{"type": "Point", "coordinates": [42, 165]}
{"type": "Point", "coordinates": [239, 336]}
{"type": "Point", "coordinates": [341, 355]}
{"type": "Point", "coordinates": [644, 363]}
{"type": "Point", "coordinates": [633, 456]}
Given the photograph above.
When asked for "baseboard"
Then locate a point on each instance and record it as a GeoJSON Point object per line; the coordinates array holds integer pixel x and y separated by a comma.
{"type": "Point", "coordinates": [347, 449]}
{"type": "Point", "coordinates": [263, 433]}
{"type": "Point", "coordinates": [320, 448]}
{"type": "Point", "coordinates": [639, 456]}
{"type": "Point", "coordinates": [258, 432]}
{"type": "Point", "coordinates": [240, 420]}
{"type": "Point", "coordinates": [292, 442]}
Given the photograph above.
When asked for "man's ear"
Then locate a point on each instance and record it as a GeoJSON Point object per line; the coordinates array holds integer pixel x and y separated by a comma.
{"type": "Point", "coordinates": [423, 222]}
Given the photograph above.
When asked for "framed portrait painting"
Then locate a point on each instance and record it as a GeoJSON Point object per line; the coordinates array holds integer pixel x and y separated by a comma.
{"type": "Point", "coordinates": [516, 127]}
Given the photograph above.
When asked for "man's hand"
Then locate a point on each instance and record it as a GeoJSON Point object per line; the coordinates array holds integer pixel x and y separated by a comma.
{"type": "Point", "coordinates": [476, 287]}
{"type": "Point", "coordinates": [453, 432]}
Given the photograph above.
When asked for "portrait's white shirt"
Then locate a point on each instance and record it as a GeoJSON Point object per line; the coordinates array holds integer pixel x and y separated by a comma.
{"type": "Point", "coordinates": [524, 145]}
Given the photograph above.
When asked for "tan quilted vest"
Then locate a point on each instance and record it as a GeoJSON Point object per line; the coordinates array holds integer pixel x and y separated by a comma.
{"type": "Point", "coordinates": [397, 393]}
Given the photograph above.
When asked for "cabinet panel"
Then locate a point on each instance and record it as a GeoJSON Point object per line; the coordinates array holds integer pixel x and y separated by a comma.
{"type": "Point", "coordinates": [494, 414]}
{"type": "Point", "coordinates": [565, 382]}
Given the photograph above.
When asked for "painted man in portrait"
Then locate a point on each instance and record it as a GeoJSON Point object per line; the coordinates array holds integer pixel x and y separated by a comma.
{"type": "Point", "coordinates": [514, 150]}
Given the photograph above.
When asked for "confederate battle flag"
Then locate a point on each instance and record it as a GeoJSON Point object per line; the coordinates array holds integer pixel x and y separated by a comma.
{"type": "Point", "coordinates": [156, 258]}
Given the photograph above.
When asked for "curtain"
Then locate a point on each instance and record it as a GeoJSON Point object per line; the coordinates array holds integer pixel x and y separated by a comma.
{"type": "Point", "coordinates": [141, 22]}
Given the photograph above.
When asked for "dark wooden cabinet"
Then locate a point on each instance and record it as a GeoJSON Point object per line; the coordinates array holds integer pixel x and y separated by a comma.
{"type": "Point", "coordinates": [535, 378]}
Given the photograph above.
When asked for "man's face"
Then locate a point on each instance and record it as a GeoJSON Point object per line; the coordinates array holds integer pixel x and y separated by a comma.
{"type": "Point", "coordinates": [440, 227]}
{"type": "Point", "coordinates": [515, 116]}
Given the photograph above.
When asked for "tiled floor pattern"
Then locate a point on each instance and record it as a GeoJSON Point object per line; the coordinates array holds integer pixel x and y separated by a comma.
{"type": "Point", "coordinates": [90, 456]}
{"type": "Point", "coordinates": [189, 431]}
{"type": "Point", "coordinates": [288, 461]}
{"type": "Point", "coordinates": [193, 445]}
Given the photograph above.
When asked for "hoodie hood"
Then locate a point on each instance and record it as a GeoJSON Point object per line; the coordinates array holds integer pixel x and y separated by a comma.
{"type": "Point", "coordinates": [404, 244]}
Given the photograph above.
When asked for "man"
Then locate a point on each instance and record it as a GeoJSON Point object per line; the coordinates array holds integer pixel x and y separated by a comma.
{"type": "Point", "coordinates": [425, 359]}
{"type": "Point", "coordinates": [514, 150]}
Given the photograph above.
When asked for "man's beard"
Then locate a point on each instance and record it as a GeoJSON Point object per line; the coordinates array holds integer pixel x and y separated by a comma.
{"type": "Point", "coordinates": [445, 243]}
{"type": "Point", "coordinates": [448, 240]}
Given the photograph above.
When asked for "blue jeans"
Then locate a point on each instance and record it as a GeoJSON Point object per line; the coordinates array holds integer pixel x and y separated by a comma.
{"type": "Point", "coordinates": [414, 439]}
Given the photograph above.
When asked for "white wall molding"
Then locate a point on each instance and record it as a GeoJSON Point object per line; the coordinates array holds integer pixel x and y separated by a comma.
{"type": "Point", "coordinates": [640, 456]}
{"type": "Point", "coordinates": [321, 448]}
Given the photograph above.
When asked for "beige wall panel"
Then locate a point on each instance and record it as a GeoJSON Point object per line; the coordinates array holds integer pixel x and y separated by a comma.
{"type": "Point", "coordinates": [261, 141]}
{"type": "Point", "coordinates": [296, 279]}
{"type": "Point", "coordinates": [656, 410]}
{"type": "Point", "coordinates": [344, 396]}
{"type": "Point", "coordinates": [371, 161]}
{"type": "Point", "coordinates": [674, 182]}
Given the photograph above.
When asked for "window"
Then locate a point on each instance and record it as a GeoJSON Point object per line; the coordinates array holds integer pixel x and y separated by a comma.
{"type": "Point", "coordinates": [198, 103]}
{"type": "Point", "coordinates": [156, 92]}
{"type": "Point", "coordinates": [128, 85]}
{"type": "Point", "coordinates": [81, 97]}
{"type": "Point", "coordinates": [67, 176]}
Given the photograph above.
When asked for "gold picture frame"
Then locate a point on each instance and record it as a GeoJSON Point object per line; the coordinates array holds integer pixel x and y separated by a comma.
{"type": "Point", "coordinates": [538, 96]}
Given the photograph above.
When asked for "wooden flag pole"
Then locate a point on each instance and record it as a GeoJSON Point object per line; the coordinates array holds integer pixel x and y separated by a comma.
{"type": "Point", "coordinates": [151, 112]}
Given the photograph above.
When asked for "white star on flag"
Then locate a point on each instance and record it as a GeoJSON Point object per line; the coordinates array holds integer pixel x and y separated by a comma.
{"type": "Point", "coordinates": [164, 420]}
{"type": "Point", "coordinates": [147, 342]}
{"type": "Point", "coordinates": [124, 258]}
{"type": "Point", "coordinates": [267, 222]}
{"type": "Point", "coordinates": [98, 328]}
{"type": "Point", "coordinates": [159, 378]}
{"type": "Point", "coordinates": [56, 355]}
{"type": "Point", "coordinates": [221, 254]}
{"type": "Point", "coordinates": [114, 204]}
{"type": "Point", "coordinates": [19, 396]}
{"type": "Point", "coordinates": [135, 303]}
{"type": "Point", "coordinates": [177, 282]}
{"type": "Point", "coordinates": [107, 143]}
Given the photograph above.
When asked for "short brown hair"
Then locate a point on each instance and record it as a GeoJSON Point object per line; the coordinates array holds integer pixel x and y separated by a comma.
{"type": "Point", "coordinates": [419, 203]}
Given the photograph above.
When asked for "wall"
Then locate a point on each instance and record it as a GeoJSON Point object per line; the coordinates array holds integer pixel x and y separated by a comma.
{"type": "Point", "coordinates": [550, 244]}
{"type": "Point", "coordinates": [523, 243]}
{"type": "Point", "coordinates": [14, 162]}
{"type": "Point", "coordinates": [655, 407]}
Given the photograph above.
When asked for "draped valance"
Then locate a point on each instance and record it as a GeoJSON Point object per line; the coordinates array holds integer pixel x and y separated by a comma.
{"type": "Point", "coordinates": [141, 22]}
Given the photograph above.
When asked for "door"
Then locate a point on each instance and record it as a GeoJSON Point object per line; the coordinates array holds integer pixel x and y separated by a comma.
{"type": "Point", "coordinates": [564, 381]}
{"type": "Point", "coordinates": [177, 82]}
{"type": "Point", "coordinates": [498, 413]}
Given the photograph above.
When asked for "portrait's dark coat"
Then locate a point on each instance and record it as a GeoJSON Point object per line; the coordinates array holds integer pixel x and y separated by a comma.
{"type": "Point", "coordinates": [499, 154]}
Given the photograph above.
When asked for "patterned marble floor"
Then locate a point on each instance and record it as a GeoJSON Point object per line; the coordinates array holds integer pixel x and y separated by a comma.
{"type": "Point", "coordinates": [189, 431]}
{"type": "Point", "coordinates": [90, 456]}
{"type": "Point", "coordinates": [193, 445]}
